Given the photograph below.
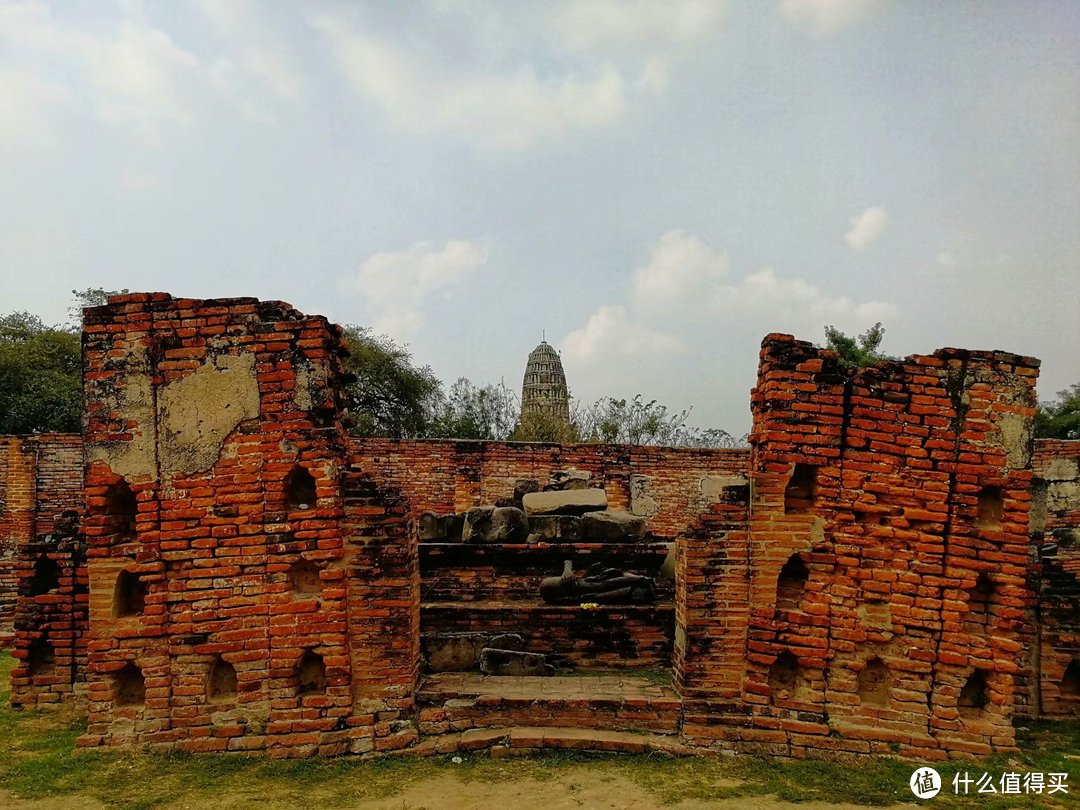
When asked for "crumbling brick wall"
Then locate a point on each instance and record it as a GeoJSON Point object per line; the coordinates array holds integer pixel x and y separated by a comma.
{"type": "Point", "coordinates": [50, 616]}
{"type": "Point", "coordinates": [479, 588]}
{"type": "Point", "coordinates": [248, 578]}
{"type": "Point", "coordinates": [223, 553]}
{"type": "Point", "coordinates": [40, 478]}
{"type": "Point", "coordinates": [1055, 578]}
{"type": "Point", "coordinates": [671, 486]}
{"type": "Point", "coordinates": [888, 551]}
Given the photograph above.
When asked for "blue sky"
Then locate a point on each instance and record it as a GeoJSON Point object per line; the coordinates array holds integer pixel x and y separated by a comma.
{"type": "Point", "coordinates": [655, 184]}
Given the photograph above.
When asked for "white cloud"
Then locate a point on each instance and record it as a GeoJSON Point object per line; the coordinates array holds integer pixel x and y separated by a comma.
{"type": "Point", "coordinates": [27, 105]}
{"type": "Point", "coordinates": [824, 17]}
{"type": "Point", "coordinates": [682, 270]}
{"type": "Point", "coordinates": [257, 53]}
{"type": "Point", "coordinates": [686, 299]}
{"type": "Point", "coordinates": [655, 74]}
{"type": "Point", "coordinates": [131, 76]}
{"type": "Point", "coordinates": [507, 111]}
{"type": "Point", "coordinates": [588, 23]}
{"type": "Point", "coordinates": [396, 286]}
{"type": "Point", "coordinates": [867, 228]}
{"type": "Point", "coordinates": [687, 276]}
{"type": "Point", "coordinates": [946, 260]}
{"type": "Point", "coordinates": [135, 180]}
{"type": "Point", "coordinates": [764, 294]}
{"type": "Point", "coordinates": [127, 73]}
{"type": "Point", "coordinates": [611, 336]}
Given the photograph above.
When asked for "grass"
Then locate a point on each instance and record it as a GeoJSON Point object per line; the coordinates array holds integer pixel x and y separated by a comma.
{"type": "Point", "coordinates": [38, 759]}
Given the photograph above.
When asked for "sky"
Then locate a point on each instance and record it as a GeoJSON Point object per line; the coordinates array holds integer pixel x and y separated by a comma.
{"type": "Point", "coordinates": [653, 185]}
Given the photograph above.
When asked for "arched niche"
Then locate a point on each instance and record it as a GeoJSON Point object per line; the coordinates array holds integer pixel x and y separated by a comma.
{"type": "Point", "coordinates": [304, 577]}
{"type": "Point", "coordinates": [990, 510]}
{"type": "Point", "coordinates": [129, 595]}
{"type": "Point", "coordinates": [46, 576]}
{"type": "Point", "coordinates": [784, 676]}
{"type": "Point", "coordinates": [129, 686]}
{"type": "Point", "coordinates": [121, 508]}
{"type": "Point", "coordinates": [311, 674]}
{"type": "Point", "coordinates": [791, 583]}
{"type": "Point", "coordinates": [1069, 687]}
{"type": "Point", "coordinates": [974, 694]}
{"type": "Point", "coordinates": [221, 682]}
{"type": "Point", "coordinates": [41, 657]}
{"type": "Point", "coordinates": [875, 683]}
{"type": "Point", "coordinates": [801, 490]}
{"type": "Point", "coordinates": [300, 490]}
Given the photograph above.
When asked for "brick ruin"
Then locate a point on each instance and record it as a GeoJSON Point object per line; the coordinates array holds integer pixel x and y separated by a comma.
{"type": "Point", "coordinates": [216, 566]}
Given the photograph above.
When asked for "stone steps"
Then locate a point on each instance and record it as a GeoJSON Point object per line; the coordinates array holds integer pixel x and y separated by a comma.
{"type": "Point", "coordinates": [529, 739]}
{"type": "Point", "coordinates": [451, 702]}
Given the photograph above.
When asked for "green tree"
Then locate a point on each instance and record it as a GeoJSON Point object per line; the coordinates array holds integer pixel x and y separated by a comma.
{"type": "Point", "coordinates": [543, 427]}
{"type": "Point", "coordinates": [1060, 419]}
{"type": "Point", "coordinates": [41, 374]}
{"type": "Point", "coordinates": [90, 297]}
{"type": "Point", "coordinates": [469, 411]}
{"type": "Point", "coordinates": [389, 396]}
{"type": "Point", "coordinates": [860, 351]}
{"type": "Point", "coordinates": [635, 421]}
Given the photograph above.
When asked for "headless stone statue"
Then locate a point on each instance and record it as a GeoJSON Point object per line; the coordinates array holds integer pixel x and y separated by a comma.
{"type": "Point", "coordinates": [605, 586]}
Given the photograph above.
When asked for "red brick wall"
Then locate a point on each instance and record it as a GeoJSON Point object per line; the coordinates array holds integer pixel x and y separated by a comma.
{"type": "Point", "coordinates": [452, 476]}
{"type": "Point", "coordinates": [40, 477]}
{"type": "Point", "coordinates": [235, 647]}
{"type": "Point", "coordinates": [470, 588]}
{"type": "Point", "coordinates": [1055, 577]}
{"type": "Point", "coordinates": [894, 546]}
{"type": "Point", "coordinates": [839, 588]}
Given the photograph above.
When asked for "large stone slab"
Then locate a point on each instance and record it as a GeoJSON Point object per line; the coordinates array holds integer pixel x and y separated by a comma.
{"type": "Point", "coordinates": [508, 525]}
{"type": "Point", "coordinates": [513, 662]}
{"type": "Point", "coordinates": [434, 528]}
{"type": "Point", "coordinates": [477, 524]}
{"type": "Point", "coordinates": [612, 526]}
{"type": "Point", "coordinates": [565, 502]}
{"type": "Point", "coordinates": [568, 479]}
{"type": "Point", "coordinates": [555, 528]}
{"type": "Point", "coordinates": [495, 524]}
{"type": "Point", "coordinates": [460, 652]}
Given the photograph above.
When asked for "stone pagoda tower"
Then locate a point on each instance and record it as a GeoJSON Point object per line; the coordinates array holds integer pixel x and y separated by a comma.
{"type": "Point", "coordinates": [543, 390]}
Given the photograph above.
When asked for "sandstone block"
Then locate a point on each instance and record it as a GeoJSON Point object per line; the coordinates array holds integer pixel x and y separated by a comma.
{"type": "Point", "coordinates": [568, 479]}
{"type": "Point", "coordinates": [495, 524]}
{"type": "Point", "coordinates": [612, 526]}
{"type": "Point", "coordinates": [556, 528]}
{"type": "Point", "coordinates": [565, 502]}
{"type": "Point", "coordinates": [513, 662]}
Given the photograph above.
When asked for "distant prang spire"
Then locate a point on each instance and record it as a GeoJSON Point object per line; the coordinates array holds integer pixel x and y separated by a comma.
{"type": "Point", "coordinates": [544, 388]}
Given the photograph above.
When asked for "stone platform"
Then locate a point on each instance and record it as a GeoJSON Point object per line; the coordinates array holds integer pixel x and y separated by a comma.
{"type": "Point", "coordinates": [458, 701]}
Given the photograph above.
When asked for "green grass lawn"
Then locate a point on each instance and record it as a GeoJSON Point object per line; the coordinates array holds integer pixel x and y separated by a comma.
{"type": "Point", "coordinates": [38, 759]}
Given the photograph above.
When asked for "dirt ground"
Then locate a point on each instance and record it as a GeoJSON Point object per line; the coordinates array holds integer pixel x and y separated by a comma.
{"type": "Point", "coordinates": [565, 792]}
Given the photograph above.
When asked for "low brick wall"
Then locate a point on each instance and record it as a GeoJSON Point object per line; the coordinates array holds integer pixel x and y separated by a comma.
{"type": "Point", "coordinates": [41, 477]}
{"type": "Point", "coordinates": [1055, 578]}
